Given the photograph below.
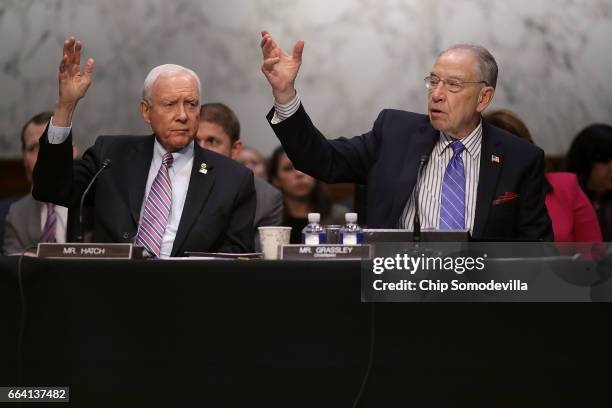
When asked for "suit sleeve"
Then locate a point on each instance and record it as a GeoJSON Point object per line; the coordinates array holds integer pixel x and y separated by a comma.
{"type": "Point", "coordinates": [332, 161]}
{"type": "Point", "coordinates": [13, 244]}
{"type": "Point", "coordinates": [275, 216]}
{"type": "Point", "coordinates": [59, 179]}
{"type": "Point", "coordinates": [239, 234]}
{"type": "Point", "coordinates": [535, 223]}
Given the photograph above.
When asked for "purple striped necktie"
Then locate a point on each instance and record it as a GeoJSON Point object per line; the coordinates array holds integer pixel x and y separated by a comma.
{"type": "Point", "coordinates": [452, 204]}
{"type": "Point", "coordinates": [48, 233]}
{"type": "Point", "coordinates": [157, 210]}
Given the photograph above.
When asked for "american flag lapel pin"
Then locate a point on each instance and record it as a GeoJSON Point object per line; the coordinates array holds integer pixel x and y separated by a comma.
{"type": "Point", "coordinates": [203, 168]}
{"type": "Point", "coordinates": [495, 159]}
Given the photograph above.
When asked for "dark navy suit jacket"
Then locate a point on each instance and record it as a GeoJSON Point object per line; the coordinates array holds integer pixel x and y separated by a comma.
{"type": "Point", "coordinates": [387, 160]}
{"type": "Point", "coordinates": [219, 207]}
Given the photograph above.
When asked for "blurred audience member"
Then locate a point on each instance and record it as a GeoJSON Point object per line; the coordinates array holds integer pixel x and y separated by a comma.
{"type": "Point", "coordinates": [252, 159]}
{"type": "Point", "coordinates": [302, 194]}
{"type": "Point", "coordinates": [29, 221]}
{"type": "Point", "coordinates": [590, 157]}
{"type": "Point", "coordinates": [219, 131]}
{"type": "Point", "coordinates": [572, 215]}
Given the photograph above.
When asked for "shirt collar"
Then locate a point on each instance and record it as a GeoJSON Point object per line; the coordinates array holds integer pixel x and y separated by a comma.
{"type": "Point", "coordinates": [180, 157]}
{"type": "Point", "coordinates": [472, 142]}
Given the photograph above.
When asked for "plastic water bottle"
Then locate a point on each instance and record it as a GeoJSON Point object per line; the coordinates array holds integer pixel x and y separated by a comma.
{"type": "Point", "coordinates": [313, 233]}
{"type": "Point", "coordinates": [351, 233]}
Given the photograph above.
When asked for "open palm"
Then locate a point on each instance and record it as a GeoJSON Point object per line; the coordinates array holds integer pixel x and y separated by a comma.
{"type": "Point", "coordinates": [280, 68]}
{"type": "Point", "coordinates": [72, 83]}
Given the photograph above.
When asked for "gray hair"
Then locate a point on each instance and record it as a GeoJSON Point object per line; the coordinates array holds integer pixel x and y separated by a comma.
{"type": "Point", "coordinates": [486, 63]}
{"type": "Point", "coordinates": [166, 70]}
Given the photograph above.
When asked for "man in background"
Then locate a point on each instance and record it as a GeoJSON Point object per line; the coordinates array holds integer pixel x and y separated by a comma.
{"type": "Point", "coordinates": [30, 221]}
{"type": "Point", "coordinates": [219, 131]}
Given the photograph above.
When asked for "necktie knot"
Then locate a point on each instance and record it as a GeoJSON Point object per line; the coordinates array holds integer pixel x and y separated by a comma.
{"type": "Point", "coordinates": [457, 146]}
{"type": "Point", "coordinates": [168, 160]}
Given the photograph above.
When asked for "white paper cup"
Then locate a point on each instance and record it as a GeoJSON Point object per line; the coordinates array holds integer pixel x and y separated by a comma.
{"type": "Point", "coordinates": [272, 238]}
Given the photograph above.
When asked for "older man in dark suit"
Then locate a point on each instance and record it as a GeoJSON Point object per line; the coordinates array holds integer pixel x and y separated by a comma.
{"type": "Point", "coordinates": [161, 191]}
{"type": "Point", "coordinates": [477, 177]}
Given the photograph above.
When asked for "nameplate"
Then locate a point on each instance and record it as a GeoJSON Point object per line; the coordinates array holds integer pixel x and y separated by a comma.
{"type": "Point", "coordinates": [318, 252]}
{"type": "Point", "coordinates": [88, 251]}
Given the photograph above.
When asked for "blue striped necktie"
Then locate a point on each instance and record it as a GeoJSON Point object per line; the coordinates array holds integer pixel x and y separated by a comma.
{"type": "Point", "coordinates": [157, 210]}
{"type": "Point", "coordinates": [48, 233]}
{"type": "Point", "coordinates": [452, 205]}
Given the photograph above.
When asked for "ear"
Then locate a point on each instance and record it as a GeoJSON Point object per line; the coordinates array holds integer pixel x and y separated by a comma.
{"type": "Point", "coordinates": [236, 149]}
{"type": "Point", "coordinates": [485, 97]}
{"type": "Point", "coordinates": [145, 108]}
{"type": "Point", "coordinates": [276, 183]}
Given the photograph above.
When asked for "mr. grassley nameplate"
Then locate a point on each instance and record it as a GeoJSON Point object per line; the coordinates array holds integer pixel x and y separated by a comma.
{"type": "Point", "coordinates": [317, 252]}
{"type": "Point", "coordinates": [89, 251]}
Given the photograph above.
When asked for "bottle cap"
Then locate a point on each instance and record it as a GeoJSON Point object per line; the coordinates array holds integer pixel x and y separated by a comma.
{"type": "Point", "coordinates": [314, 217]}
{"type": "Point", "coordinates": [350, 217]}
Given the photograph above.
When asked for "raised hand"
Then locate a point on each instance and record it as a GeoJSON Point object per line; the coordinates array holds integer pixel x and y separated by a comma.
{"type": "Point", "coordinates": [72, 83]}
{"type": "Point", "coordinates": [280, 68]}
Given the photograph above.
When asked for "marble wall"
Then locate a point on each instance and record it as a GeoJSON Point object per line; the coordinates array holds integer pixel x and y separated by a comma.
{"type": "Point", "coordinates": [360, 56]}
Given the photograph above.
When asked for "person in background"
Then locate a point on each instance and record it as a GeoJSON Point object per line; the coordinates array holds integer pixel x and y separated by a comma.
{"type": "Point", "coordinates": [219, 131]}
{"type": "Point", "coordinates": [572, 215]}
{"type": "Point", "coordinates": [590, 157]}
{"type": "Point", "coordinates": [30, 221]}
{"type": "Point", "coordinates": [252, 159]}
{"type": "Point", "coordinates": [302, 194]}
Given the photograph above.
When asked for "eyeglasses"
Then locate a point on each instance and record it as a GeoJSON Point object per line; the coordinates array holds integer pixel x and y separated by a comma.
{"type": "Point", "coordinates": [453, 85]}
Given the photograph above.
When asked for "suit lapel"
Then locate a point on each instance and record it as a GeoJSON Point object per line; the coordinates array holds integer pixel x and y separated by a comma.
{"type": "Point", "coordinates": [491, 162]}
{"type": "Point", "coordinates": [139, 162]}
{"type": "Point", "coordinates": [422, 144]}
{"type": "Point", "coordinates": [200, 184]}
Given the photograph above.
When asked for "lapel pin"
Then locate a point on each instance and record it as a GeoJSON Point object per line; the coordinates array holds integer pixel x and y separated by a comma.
{"type": "Point", "coordinates": [203, 168]}
{"type": "Point", "coordinates": [495, 159]}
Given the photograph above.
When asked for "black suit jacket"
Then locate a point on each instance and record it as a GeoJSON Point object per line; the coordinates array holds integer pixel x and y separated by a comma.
{"type": "Point", "coordinates": [387, 160]}
{"type": "Point", "coordinates": [219, 207]}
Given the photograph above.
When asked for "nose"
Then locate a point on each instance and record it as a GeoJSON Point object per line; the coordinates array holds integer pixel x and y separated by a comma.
{"type": "Point", "coordinates": [438, 93]}
{"type": "Point", "coordinates": [182, 113]}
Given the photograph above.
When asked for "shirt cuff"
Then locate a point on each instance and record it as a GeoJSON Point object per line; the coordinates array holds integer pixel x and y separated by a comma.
{"type": "Point", "coordinates": [56, 134]}
{"type": "Point", "coordinates": [282, 112]}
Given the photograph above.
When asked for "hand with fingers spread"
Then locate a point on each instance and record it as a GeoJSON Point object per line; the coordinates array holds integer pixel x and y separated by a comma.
{"type": "Point", "coordinates": [72, 83]}
{"type": "Point", "coordinates": [280, 68]}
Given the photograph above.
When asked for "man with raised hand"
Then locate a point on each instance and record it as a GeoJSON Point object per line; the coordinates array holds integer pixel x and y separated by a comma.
{"type": "Point", "coordinates": [474, 176]}
{"type": "Point", "coordinates": [161, 191]}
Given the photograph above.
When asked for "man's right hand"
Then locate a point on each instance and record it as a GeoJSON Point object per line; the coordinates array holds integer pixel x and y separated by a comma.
{"type": "Point", "coordinates": [72, 84]}
{"type": "Point", "coordinates": [280, 68]}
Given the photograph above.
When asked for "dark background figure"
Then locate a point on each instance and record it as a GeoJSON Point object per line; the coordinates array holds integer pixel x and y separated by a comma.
{"type": "Point", "coordinates": [590, 157]}
{"type": "Point", "coordinates": [302, 194]}
{"type": "Point", "coordinates": [29, 221]}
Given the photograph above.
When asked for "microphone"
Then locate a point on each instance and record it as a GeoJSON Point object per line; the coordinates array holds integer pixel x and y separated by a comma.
{"type": "Point", "coordinates": [105, 164]}
{"type": "Point", "coordinates": [416, 229]}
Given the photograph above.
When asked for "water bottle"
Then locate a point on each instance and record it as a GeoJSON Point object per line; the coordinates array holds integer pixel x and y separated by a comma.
{"type": "Point", "coordinates": [313, 233]}
{"type": "Point", "coordinates": [351, 233]}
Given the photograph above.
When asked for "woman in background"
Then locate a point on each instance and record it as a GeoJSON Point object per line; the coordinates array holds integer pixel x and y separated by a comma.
{"type": "Point", "coordinates": [573, 217]}
{"type": "Point", "coordinates": [302, 194]}
{"type": "Point", "coordinates": [590, 157]}
{"type": "Point", "coordinates": [253, 160]}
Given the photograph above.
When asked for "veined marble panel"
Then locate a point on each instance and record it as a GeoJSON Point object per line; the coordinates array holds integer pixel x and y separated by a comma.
{"type": "Point", "coordinates": [361, 56]}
